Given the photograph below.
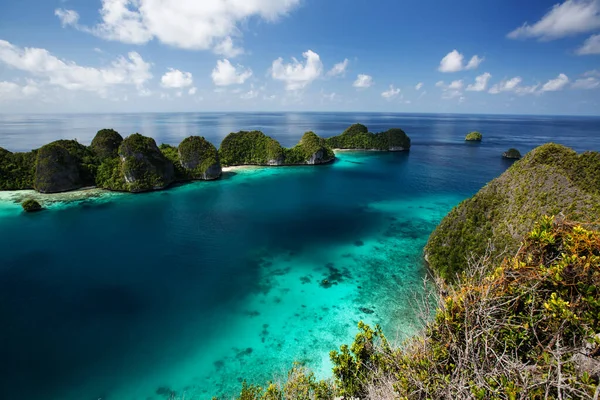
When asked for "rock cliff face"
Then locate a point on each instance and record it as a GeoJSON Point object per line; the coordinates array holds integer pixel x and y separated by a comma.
{"type": "Point", "coordinates": [199, 158]}
{"type": "Point", "coordinates": [143, 166]}
{"type": "Point", "coordinates": [106, 143]}
{"type": "Point", "coordinates": [311, 150]}
{"type": "Point", "coordinates": [62, 166]}
{"type": "Point", "coordinates": [358, 137]}
{"type": "Point", "coordinates": [550, 180]}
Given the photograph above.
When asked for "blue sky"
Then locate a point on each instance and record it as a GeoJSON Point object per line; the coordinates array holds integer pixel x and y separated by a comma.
{"type": "Point", "coordinates": [462, 56]}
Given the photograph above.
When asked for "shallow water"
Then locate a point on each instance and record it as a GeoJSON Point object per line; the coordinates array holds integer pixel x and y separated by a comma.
{"type": "Point", "coordinates": [191, 290]}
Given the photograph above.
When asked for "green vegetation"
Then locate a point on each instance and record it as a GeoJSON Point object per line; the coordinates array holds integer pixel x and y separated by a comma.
{"type": "Point", "coordinates": [250, 148]}
{"type": "Point", "coordinates": [512, 154]}
{"type": "Point", "coordinates": [199, 158]}
{"type": "Point", "coordinates": [64, 165]}
{"type": "Point", "coordinates": [310, 150]}
{"type": "Point", "coordinates": [17, 170]}
{"type": "Point", "coordinates": [31, 205]}
{"type": "Point", "coordinates": [140, 167]}
{"type": "Point", "coordinates": [474, 137]}
{"type": "Point", "coordinates": [106, 143]}
{"type": "Point", "coordinates": [549, 180]}
{"type": "Point", "coordinates": [524, 328]}
{"type": "Point", "coordinates": [357, 136]}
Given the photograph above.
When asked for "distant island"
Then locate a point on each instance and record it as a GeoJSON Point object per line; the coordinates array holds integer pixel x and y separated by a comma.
{"type": "Point", "coordinates": [136, 164]}
{"type": "Point", "coordinates": [474, 137]}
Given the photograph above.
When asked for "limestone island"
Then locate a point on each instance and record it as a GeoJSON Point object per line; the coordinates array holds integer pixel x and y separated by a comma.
{"type": "Point", "coordinates": [358, 137]}
{"type": "Point", "coordinates": [474, 137]}
{"type": "Point", "coordinates": [136, 164]}
{"type": "Point", "coordinates": [512, 154]}
{"type": "Point", "coordinates": [31, 205]}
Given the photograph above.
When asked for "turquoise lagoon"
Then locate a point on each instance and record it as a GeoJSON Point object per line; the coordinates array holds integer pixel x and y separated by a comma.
{"type": "Point", "coordinates": [189, 291]}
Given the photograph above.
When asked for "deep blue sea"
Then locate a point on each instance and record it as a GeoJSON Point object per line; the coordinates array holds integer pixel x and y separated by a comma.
{"type": "Point", "coordinates": [186, 292]}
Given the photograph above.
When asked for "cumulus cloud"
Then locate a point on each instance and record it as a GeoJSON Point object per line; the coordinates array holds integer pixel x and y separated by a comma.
{"type": "Point", "coordinates": [419, 86]}
{"type": "Point", "coordinates": [13, 91]}
{"type": "Point", "coordinates": [227, 48]}
{"type": "Point", "coordinates": [481, 83]}
{"type": "Point", "coordinates": [556, 84]}
{"type": "Point", "coordinates": [454, 62]}
{"type": "Point", "coordinates": [225, 74]}
{"type": "Point", "coordinates": [338, 69]}
{"type": "Point", "coordinates": [590, 46]}
{"type": "Point", "coordinates": [586, 83]}
{"type": "Point", "coordinates": [198, 25]}
{"type": "Point", "coordinates": [452, 90]}
{"type": "Point", "coordinates": [363, 81]}
{"type": "Point", "coordinates": [251, 94]}
{"type": "Point", "coordinates": [132, 70]}
{"type": "Point", "coordinates": [391, 93]}
{"type": "Point", "coordinates": [175, 79]}
{"type": "Point", "coordinates": [297, 75]}
{"type": "Point", "coordinates": [569, 18]}
{"type": "Point", "coordinates": [456, 85]}
{"type": "Point", "coordinates": [192, 91]}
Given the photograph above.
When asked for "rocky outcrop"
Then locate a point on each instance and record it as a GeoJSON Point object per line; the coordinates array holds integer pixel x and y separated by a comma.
{"type": "Point", "coordinates": [143, 165]}
{"type": "Point", "coordinates": [62, 166]}
{"type": "Point", "coordinates": [358, 137]}
{"type": "Point", "coordinates": [31, 205]}
{"type": "Point", "coordinates": [549, 180]}
{"type": "Point", "coordinates": [512, 154]}
{"type": "Point", "coordinates": [199, 159]}
{"type": "Point", "coordinates": [311, 150]}
{"type": "Point", "coordinates": [106, 143]}
{"type": "Point", "coordinates": [474, 137]}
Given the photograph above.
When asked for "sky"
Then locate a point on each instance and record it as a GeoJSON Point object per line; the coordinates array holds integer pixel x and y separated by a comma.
{"type": "Point", "coordinates": [434, 56]}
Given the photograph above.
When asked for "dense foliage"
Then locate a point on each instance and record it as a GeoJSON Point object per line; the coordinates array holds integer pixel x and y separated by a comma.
{"type": "Point", "coordinates": [474, 137]}
{"type": "Point", "coordinates": [529, 329]}
{"type": "Point", "coordinates": [357, 136]}
{"type": "Point", "coordinates": [17, 170]}
{"type": "Point", "coordinates": [310, 150]}
{"type": "Point", "coordinates": [549, 180]}
{"type": "Point", "coordinates": [199, 158]}
{"type": "Point", "coordinates": [140, 167]}
{"type": "Point", "coordinates": [64, 165]}
{"type": "Point", "coordinates": [31, 205]}
{"type": "Point", "coordinates": [250, 148]}
{"type": "Point", "coordinates": [512, 154]}
{"type": "Point", "coordinates": [106, 143]}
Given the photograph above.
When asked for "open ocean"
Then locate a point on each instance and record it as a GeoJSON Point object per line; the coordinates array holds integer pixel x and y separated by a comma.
{"type": "Point", "coordinates": [189, 291]}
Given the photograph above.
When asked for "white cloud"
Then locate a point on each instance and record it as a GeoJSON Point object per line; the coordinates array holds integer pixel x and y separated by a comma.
{"type": "Point", "coordinates": [439, 84]}
{"type": "Point", "coordinates": [481, 83]}
{"type": "Point", "coordinates": [67, 17]}
{"type": "Point", "coordinates": [328, 96]}
{"type": "Point", "coordinates": [363, 81]}
{"type": "Point", "coordinates": [454, 62]}
{"type": "Point", "coordinates": [297, 75]}
{"type": "Point", "coordinates": [251, 94]}
{"type": "Point", "coordinates": [391, 93]}
{"type": "Point", "coordinates": [451, 94]}
{"type": "Point", "coordinates": [569, 18]}
{"type": "Point", "coordinates": [586, 83]}
{"type": "Point", "coordinates": [419, 86]}
{"type": "Point", "coordinates": [132, 70]}
{"type": "Point", "coordinates": [226, 74]}
{"type": "Point", "coordinates": [594, 72]}
{"type": "Point", "coordinates": [192, 91]}
{"type": "Point", "coordinates": [456, 85]}
{"type": "Point", "coordinates": [227, 48]}
{"type": "Point", "coordinates": [556, 84]}
{"type": "Point", "coordinates": [13, 91]}
{"type": "Point", "coordinates": [198, 25]}
{"type": "Point", "coordinates": [338, 69]}
{"type": "Point", "coordinates": [590, 46]}
{"type": "Point", "coordinates": [175, 79]}
{"type": "Point", "coordinates": [522, 90]}
{"type": "Point", "coordinates": [506, 85]}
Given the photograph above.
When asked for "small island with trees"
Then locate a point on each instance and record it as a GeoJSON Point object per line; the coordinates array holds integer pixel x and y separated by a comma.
{"type": "Point", "coordinates": [474, 137]}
